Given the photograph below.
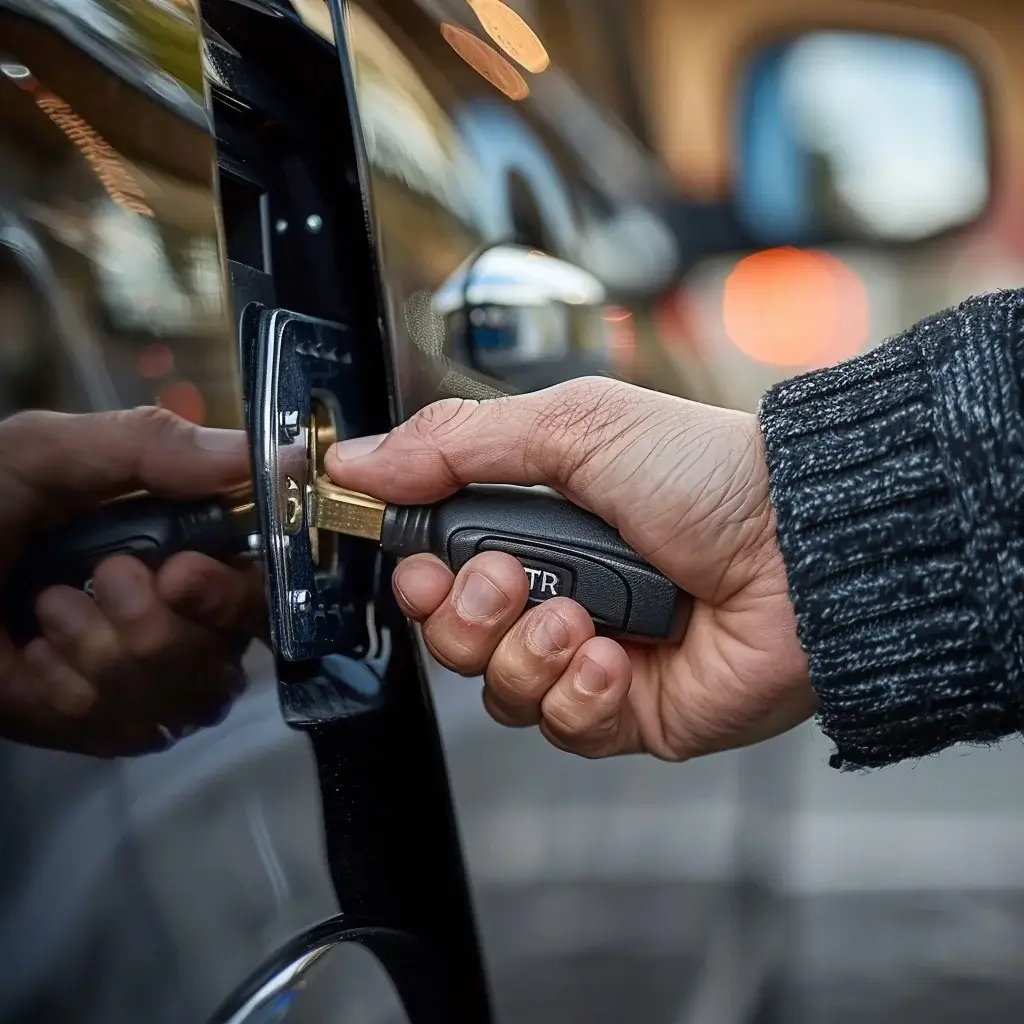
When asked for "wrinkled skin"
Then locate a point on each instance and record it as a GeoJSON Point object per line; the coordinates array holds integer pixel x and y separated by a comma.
{"type": "Point", "coordinates": [687, 487]}
{"type": "Point", "coordinates": [155, 655]}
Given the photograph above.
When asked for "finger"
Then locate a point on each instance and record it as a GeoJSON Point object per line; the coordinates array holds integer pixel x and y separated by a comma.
{"type": "Point", "coordinates": [531, 658]}
{"type": "Point", "coordinates": [78, 631]}
{"type": "Point", "coordinates": [489, 595]}
{"type": "Point", "coordinates": [62, 716]}
{"type": "Point", "coordinates": [148, 672]}
{"type": "Point", "coordinates": [67, 462]}
{"type": "Point", "coordinates": [27, 701]}
{"type": "Point", "coordinates": [421, 583]}
{"type": "Point", "coordinates": [541, 438]}
{"type": "Point", "coordinates": [71, 698]}
{"type": "Point", "coordinates": [179, 665]}
{"type": "Point", "coordinates": [125, 593]}
{"type": "Point", "coordinates": [85, 647]}
{"type": "Point", "coordinates": [587, 712]}
{"type": "Point", "coordinates": [212, 594]}
{"type": "Point", "coordinates": [66, 692]}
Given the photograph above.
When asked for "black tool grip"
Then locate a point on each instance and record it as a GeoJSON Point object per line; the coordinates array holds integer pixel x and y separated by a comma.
{"type": "Point", "coordinates": [566, 551]}
{"type": "Point", "coordinates": [151, 529]}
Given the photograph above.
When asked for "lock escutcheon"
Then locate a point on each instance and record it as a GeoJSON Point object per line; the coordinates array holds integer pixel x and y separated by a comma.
{"type": "Point", "coordinates": [298, 385]}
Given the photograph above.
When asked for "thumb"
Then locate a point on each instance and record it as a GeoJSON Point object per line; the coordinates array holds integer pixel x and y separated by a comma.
{"type": "Point", "coordinates": [564, 437]}
{"type": "Point", "coordinates": [58, 463]}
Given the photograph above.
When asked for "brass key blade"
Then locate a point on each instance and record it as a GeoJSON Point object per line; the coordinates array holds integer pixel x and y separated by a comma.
{"type": "Point", "coordinates": [341, 511]}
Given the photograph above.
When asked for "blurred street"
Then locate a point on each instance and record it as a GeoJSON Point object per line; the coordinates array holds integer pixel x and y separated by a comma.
{"type": "Point", "coordinates": [751, 887]}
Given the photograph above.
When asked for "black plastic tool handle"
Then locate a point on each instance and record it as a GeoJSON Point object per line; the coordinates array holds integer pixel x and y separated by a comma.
{"type": "Point", "coordinates": [151, 529]}
{"type": "Point", "coordinates": [566, 552]}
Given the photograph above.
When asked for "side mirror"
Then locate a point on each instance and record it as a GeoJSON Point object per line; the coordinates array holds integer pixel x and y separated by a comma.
{"type": "Point", "coordinates": [525, 318]}
{"type": "Point", "coordinates": [849, 136]}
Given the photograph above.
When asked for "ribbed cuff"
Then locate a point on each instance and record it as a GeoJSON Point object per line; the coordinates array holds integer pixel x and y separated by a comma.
{"type": "Point", "coordinates": [892, 597]}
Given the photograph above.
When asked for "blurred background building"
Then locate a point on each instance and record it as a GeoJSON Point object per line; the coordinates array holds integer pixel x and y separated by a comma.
{"type": "Point", "coordinates": [645, 883]}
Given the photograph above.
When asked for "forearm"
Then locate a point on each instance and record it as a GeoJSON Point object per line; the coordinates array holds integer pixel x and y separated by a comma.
{"type": "Point", "coordinates": [898, 485]}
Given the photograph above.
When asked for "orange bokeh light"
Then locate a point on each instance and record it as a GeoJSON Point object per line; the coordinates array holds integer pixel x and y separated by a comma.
{"type": "Point", "coordinates": [155, 361]}
{"type": "Point", "coordinates": [795, 308]}
{"type": "Point", "coordinates": [185, 399]}
{"type": "Point", "coordinates": [622, 336]}
{"type": "Point", "coordinates": [512, 34]}
{"type": "Point", "coordinates": [486, 61]}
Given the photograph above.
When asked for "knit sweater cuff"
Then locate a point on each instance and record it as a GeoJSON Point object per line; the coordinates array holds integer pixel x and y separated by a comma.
{"type": "Point", "coordinates": [899, 519]}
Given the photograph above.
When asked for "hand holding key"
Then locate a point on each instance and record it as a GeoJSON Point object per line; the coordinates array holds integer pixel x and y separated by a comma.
{"type": "Point", "coordinates": [153, 654]}
{"type": "Point", "coordinates": [686, 487]}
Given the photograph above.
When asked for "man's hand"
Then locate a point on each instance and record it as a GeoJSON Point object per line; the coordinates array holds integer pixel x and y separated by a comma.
{"type": "Point", "coordinates": [156, 655]}
{"type": "Point", "coordinates": [686, 486]}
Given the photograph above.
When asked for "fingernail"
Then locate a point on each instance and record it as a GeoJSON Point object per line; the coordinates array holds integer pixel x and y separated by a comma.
{"type": "Point", "coordinates": [214, 439]}
{"type": "Point", "coordinates": [551, 634]}
{"type": "Point", "coordinates": [125, 594]}
{"type": "Point", "coordinates": [480, 598]}
{"type": "Point", "coordinates": [591, 678]}
{"type": "Point", "coordinates": [356, 447]}
{"type": "Point", "coordinates": [417, 582]}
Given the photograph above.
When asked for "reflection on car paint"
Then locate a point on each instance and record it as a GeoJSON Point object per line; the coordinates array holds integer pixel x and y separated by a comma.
{"type": "Point", "coordinates": [81, 182]}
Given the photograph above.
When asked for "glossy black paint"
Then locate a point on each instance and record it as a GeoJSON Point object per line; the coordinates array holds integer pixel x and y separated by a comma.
{"type": "Point", "coordinates": [381, 846]}
{"type": "Point", "coordinates": [392, 846]}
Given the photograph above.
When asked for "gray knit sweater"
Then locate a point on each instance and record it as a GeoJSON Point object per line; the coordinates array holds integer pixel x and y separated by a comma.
{"type": "Point", "coordinates": [898, 485]}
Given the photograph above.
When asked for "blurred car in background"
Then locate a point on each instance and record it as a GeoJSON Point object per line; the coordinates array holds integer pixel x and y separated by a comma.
{"type": "Point", "coordinates": [699, 196]}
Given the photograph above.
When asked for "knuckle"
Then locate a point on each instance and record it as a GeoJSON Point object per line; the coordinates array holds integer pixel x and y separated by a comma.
{"type": "Point", "coordinates": [515, 676]}
{"type": "Point", "coordinates": [566, 720]}
{"type": "Point", "coordinates": [510, 716]}
{"type": "Point", "coordinates": [153, 424]}
{"type": "Point", "coordinates": [151, 419]}
{"type": "Point", "coordinates": [440, 418]}
{"type": "Point", "coordinates": [438, 425]}
{"type": "Point", "coordinates": [499, 716]}
{"type": "Point", "coordinates": [455, 653]}
{"type": "Point", "coordinates": [574, 420]}
{"type": "Point", "coordinates": [582, 736]}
